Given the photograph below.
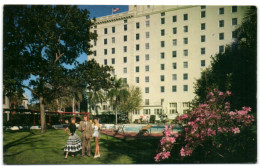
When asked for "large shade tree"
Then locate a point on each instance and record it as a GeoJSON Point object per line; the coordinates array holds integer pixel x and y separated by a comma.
{"type": "Point", "coordinates": [43, 38]}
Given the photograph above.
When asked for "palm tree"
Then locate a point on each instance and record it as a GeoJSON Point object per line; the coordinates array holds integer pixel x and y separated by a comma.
{"type": "Point", "coordinates": [95, 97]}
{"type": "Point", "coordinates": [118, 93]}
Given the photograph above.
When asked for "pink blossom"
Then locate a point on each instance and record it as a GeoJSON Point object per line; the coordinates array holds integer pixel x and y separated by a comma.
{"type": "Point", "coordinates": [219, 145]}
{"type": "Point", "coordinates": [236, 130]}
{"type": "Point", "coordinates": [242, 113]}
{"type": "Point", "coordinates": [232, 113]}
{"type": "Point", "coordinates": [228, 93]}
{"type": "Point", "coordinates": [157, 157]}
{"type": "Point", "coordinates": [182, 152]}
{"type": "Point", "coordinates": [165, 155]}
{"type": "Point", "coordinates": [221, 93]}
{"type": "Point", "coordinates": [163, 141]}
{"type": "Point", "coordinates": [167, 132]}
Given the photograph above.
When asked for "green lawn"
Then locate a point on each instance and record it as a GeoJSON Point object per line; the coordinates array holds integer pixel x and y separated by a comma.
{"type": "Point", "coordinates": [32, 147]}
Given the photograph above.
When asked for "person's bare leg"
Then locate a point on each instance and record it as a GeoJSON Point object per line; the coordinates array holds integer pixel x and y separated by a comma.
{"type": "Point", "coordinates": [95, 147]}
{"type": "Point", "coordinates": [66, 156]}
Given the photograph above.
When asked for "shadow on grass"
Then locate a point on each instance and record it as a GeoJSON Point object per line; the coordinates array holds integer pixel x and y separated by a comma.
{"type": "Point", "coordinates": [141, 151]}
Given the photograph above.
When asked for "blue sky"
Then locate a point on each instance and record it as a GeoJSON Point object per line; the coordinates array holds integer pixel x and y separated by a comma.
{"type": "Point", "coordinates": [95, 11]}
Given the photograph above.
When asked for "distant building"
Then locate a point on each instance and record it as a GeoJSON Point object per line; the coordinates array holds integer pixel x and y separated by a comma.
{"type": "Point", "coordinates": [163, 50]}
{"type": "Point", "coordinates": [6, 102]}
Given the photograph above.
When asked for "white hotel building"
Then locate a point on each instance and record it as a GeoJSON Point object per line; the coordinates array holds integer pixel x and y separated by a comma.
{"type": "Point", "coordinates": [164, 49]}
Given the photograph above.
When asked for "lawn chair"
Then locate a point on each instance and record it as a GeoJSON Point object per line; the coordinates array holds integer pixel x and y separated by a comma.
{"type": "Point", "coordinates": [145, 129]}
{"type": "Point", "coordinates": [120, 127]}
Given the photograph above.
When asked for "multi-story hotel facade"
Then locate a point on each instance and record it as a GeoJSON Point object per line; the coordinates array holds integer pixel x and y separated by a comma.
{"type": "Point", "coordinates": [163, 50]}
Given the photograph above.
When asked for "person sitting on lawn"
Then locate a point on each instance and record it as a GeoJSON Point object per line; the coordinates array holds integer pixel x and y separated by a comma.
{"type": "Point", "coordinates": [96, 135]}
{"type": "Point", "coordinates": [73, 143]}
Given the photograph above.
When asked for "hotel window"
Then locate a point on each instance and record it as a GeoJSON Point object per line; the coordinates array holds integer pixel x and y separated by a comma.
{"type": "Point", "coordinates": [137, 69]}
{"type": "Point", "coordinates": [147, 79]}
{"type": "Point", "coordinates": [125, 48]}
{"type": "Point", "coordinates": [185, 76]}
{"type": "Point", "coordinates": [174, 77]}
{"type": "Point", "coordinates": [185, 52]}
{"type": "Point", "coordinates": [136, 112]}
{"type": "Point", "coordinates": [113, 71]}
{"type": "Point", "coordinates": [174, 54]}
{"type": "Point", "coordinates": [95, 53]}
{"type": "Point", "coordinates": [158, 111]}
{"type": "Point", "coordinates": [147, 24]}
{"type": "Point", "coordinates": [202, 63]}
{"type": "Point", "coordinates": [125, 80]}
{"type": "Point", "coordinates": [95, 42]}
{"type": "Point", "coordinates": [147, 57]}
{"type": "Point", "coordinates": [105, 51]}
{"type": "Point", "coordinates": [202, 7]}
{"type": "Point", "coordinates": [113, 40]}
{"type": "Point", "coordinates": [202, 26]}
{"type": "Point", "coordinates": [125, 38]}
{"type": "Point", "coordinates": [203, 14]}
{"type": "Point", "coordinates": [221, 11]}
{"type": "Point", "coordinates": [162, 78]}
{"type": "Point", "coordinates": [174, 42]}
{"type": "Point", "coordinates": [185, 29]}
{"type": "Point", "coordinates": [147, 16]}
{"type": "Point", "coordinates": [234, 21]}
{"type": "Point", "coordinates": [125, 70]}
{"type": "Point", "coordinates": [221, 36]}
{"type": "Point", "coordinates": [147, 111]}
{"type": "Point", "coordinates": [137, 47]}
{"type": "Point", "coordinates": [137, 79]}
{"type": "Point", "coordinates": [234, 9]}
{"type": "Point", "coordinates": [147, 68]}
{"type": "Point", "coordinates": [185, 65]}
{"type": "Point", "coordinates": [125, 59]}
{"type": "Point", "coordinates": [186, 104]}
{"type": "Point", "coordinates": [125, 27]}
{"type": "Point", "coordinates": [221, 23]}
{"type": "Point", "coordinates": [162, 66]}
{"type": "Point", "coordinates": [113, 29]}
{"type": "Point", "coordinates": [163, 14]}
{"type": "Point", "coordinates": [95, 31]}
{"type": "Point", "coordinates": [125, 21]}
{"type": "Point", "coordinates": [148, 6]}
{"type": "Point", "coordinates": [162, 89]}
{"type": "Point", "coordinates": [203, 38]}
{"type": "Point", "coordinates": [137, 58]}
{"type": "Point", "coordinates": [174, 30]}
{"type": "Point", "coordinates": [162, 55]}
{"type": "Point", "coordinates": [185, 88]}
{"type": "Point", "coordinates": [104, 107]}
{"type": "Point", "coordinates": [105, 61]}
{"type": "Point", "coordinates": [146, 101]}
{"type": "Point", "coordinates": [105, 41]}
{"type": "Point", "coordinates": [234, 34]}
{"type": "Point", "coordinates": [174, 88]}
{"type": "Point", "coordinates": [147, 35]}
{"type": "Point", "coordinates": [221, 48]}
{"type": "Point", "coordinates": [185, 17]}
{"type": "Point", "coordinates": [137, 25]}
{"type": "Point", "coordinates": [174, 18]}
{"type": "Point", "coordinates": [162, 32]}
{"type": "Point", "coordinates": [162, 20]}
{"type": "Point", "coordinates": [137, 36]}
{"type": "Point", "coordinates": [147, 46]}
{"type": "Point", "coordinates": [174, 65]}
{"type": "Point", "coordinates": [162, 44]}
{"type": "Point", "coordinates": [173, 108]}
{"type": "Point", "coordinates": [105, 31]}
{"type": "Point", "coordinates": [202, 51]}
{"type": "Point", "coordinates": [146, 89]}
{"type": "Point", "coordinates": [185, 40]}
{"type": "Point", "coordinates": [113, 61]}
{"type": "Point", "coordinates": [113, 50]}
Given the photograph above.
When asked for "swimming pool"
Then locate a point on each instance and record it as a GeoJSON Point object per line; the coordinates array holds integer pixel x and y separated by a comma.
{"type": "Point", "coordinates": [154, 129]}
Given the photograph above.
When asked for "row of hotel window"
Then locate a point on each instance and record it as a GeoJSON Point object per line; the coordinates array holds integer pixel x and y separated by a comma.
{"type": "Point", "coordinates": [174, 89]}
{"type": "Point", "coordinates": [162, 78]}
{"type": "Point", "coordinates": [234, 22]}
{"type": "Point", "coordinates": [174, 18]}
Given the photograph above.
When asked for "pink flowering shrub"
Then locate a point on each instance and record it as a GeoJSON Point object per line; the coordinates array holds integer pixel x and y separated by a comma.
{"type": "Point", "coordinates": [208, 126]}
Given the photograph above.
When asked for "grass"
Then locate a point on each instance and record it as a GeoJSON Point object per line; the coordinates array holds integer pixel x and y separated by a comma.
{"type": "Point", "coordinates": [32, 147]}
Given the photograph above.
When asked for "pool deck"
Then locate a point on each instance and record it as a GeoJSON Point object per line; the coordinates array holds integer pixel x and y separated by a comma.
{"type": "Point", "coordinates": [127, 135]}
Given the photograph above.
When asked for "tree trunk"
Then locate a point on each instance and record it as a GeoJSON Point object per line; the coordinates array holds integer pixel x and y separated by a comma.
{"type": "Point", "coordinates": [116, 116]}
{"type": "Point", "coordinates": [58, 105]}
{"type": "Point", "coordinates": [42, 112]}
{"type": "Point", "coordinates": [79, 106]}
{"type": "Point", "coordinates": [73, 105]}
